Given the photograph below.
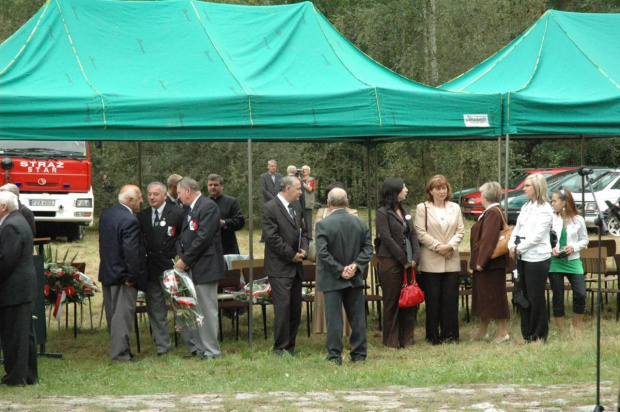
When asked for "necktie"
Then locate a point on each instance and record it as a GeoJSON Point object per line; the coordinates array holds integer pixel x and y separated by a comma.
{"type": "Point", "coordinates": [291, 211]}
{"type": "Point", "coordinates": [156, 221]}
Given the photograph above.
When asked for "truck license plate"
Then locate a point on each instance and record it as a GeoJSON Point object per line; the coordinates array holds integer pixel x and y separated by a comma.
{"type": "Point", "coordinates": [37, 202]}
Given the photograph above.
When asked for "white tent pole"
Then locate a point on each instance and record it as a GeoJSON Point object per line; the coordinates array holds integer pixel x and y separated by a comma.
{"type": "Point", "coordinates": [251, 240]}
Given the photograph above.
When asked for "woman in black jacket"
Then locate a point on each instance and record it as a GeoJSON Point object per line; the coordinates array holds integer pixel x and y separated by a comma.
{"type": "Point", "coordinates": [399, 251]}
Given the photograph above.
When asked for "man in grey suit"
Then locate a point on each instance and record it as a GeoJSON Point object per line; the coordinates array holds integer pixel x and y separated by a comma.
{"type": "Point", "coordinates": [343, 249]}
{"type": "Point", "coordinates": [200, 252]}
{"type": "Point", "coordinates": [270, 184]}
{"type": "Point", "coordinates": [286, 244]}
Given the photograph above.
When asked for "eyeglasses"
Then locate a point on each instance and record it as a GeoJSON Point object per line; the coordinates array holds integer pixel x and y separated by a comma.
{"type": "Point", "coordinates": [527, 185]}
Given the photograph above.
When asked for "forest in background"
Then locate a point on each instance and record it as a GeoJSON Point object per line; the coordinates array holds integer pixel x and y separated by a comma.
{"type": "Point", "coordinates": [429, 41]}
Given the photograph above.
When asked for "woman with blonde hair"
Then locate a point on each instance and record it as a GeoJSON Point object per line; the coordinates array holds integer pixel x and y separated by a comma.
{"type": "Point", "coordinates": [531, 247]}
{"type": "Point", "coordinates": [440, 231]}
{"type": "Point", "coordinates": [572, 237]}
{"type": "Point", "coordinates": [489, 300]}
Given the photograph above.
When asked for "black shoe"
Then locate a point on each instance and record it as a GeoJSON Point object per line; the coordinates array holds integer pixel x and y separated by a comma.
{"type": "Point", "coordinates": [160, 354]}
{"type": "Point", "coordinates": [360, 359]}
{"type": "Point", "coordinates": [191, 355]}
{"type": "Point", "coordinates": [337, 361]}
{"type": "Point", "coordinates": [209, 357]}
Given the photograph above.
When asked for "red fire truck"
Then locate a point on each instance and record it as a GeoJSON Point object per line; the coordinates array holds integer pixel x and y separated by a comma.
{"type": "Point", "coordinates": [54, 180]}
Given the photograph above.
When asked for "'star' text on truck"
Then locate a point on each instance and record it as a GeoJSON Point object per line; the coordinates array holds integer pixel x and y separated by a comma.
{"type": "Point", "coordinates": [54, 180]}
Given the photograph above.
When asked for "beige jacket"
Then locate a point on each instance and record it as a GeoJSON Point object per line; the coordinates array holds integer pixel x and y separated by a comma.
{"type": "Point", "coordinates": [451, 233]}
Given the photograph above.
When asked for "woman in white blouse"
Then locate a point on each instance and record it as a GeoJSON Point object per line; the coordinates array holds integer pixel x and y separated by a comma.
{"type": "Point", "coordinates": [533, 252]}
{"type": "Point", "coordinates": [572, 237]}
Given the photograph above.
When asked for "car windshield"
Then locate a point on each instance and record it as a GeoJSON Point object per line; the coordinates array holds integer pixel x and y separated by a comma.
{"type": "Point", "coordinates": [43, 148]}
{"type": "Point", "coordinates": [516, 179]}
{"type": "Point", "coordinates": [603, 181]}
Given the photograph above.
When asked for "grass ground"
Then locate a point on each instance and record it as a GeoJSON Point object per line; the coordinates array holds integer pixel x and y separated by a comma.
{"type": "Point", "coordinates": [85, 369]}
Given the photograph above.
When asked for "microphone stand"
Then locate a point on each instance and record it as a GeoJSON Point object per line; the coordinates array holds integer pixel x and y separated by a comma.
{"type": "Point", "coordinates": [602, 228]}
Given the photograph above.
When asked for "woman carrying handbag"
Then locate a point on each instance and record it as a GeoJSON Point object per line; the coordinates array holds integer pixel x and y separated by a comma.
{"type": "Point", "coordinates": [399, 250]}
{"type": "Point", "coordinates": [489, 298]}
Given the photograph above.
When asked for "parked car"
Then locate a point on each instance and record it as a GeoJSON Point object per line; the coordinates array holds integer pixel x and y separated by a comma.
{"type": "Point", "coordinates": [570, 180]}
{"type": "Point", "coordinates": [606, 188]}
{"type": "Point", "coordinates": [471, 204]}
{"type": "Point", "coordinates": [457, 196]}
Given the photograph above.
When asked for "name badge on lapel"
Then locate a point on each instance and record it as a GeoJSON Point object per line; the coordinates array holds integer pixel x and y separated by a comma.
{"type": "Point", "coordinates": [172, 231]}
{"type": "Point", "coordinates": [193, 224]}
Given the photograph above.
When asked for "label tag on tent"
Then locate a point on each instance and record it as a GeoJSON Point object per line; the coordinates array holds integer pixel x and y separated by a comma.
{"type": "Point", "coordinates": [476, 120]}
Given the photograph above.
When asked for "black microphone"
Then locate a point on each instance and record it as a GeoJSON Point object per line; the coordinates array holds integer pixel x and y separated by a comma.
{"type": "Point", "coordinates": [584, 171]}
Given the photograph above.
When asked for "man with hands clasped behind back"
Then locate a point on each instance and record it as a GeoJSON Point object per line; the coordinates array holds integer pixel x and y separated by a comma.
{"type": "Point", "coordinates": [344, 249]}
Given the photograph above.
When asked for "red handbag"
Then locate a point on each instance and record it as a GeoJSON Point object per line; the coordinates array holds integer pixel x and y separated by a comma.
{"type": "Point", "coordinates": [410, 294]}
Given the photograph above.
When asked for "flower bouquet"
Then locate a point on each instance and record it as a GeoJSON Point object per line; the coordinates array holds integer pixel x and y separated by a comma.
{"type": "Point", "coordinates": [179, 289]}
{"type": "Point", "coordinates": [261, 292]}
{"type": "Point", "coordinates": [64, 282]}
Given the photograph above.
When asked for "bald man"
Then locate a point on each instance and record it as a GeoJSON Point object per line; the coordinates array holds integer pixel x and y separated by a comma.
{"type": "Point", "coordinates": [122, 270]}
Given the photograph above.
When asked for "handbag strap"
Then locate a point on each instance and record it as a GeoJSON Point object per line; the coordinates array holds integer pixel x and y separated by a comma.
{"type": "Point", "coordinates": [405, 276]}
{"type": "Point", "coordinates": [503, 218]}
{"type": "Point", "coordinates": [477, 245]}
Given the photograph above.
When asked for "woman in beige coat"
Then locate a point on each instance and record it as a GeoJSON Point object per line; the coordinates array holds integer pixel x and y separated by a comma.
{"type": "Point", "coordinates": [440, 231]}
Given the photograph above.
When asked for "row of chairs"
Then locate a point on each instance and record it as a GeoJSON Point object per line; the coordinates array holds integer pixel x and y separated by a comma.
{"type": "Point", "coordinates": [308, 281]}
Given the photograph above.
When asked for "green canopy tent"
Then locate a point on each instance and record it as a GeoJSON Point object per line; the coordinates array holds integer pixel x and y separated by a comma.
{"type": "Point", "coordinates": [190, 70]}
{"type": "Point", "coordinates": [559, 78]}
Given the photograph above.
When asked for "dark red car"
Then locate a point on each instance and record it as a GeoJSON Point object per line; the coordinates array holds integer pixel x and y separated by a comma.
{"type": "Point", "coordinates": [471, 204]}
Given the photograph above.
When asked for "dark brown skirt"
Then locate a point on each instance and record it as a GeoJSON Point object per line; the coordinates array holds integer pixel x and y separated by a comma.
{"type": "Point", "coordinates": [489, 299]}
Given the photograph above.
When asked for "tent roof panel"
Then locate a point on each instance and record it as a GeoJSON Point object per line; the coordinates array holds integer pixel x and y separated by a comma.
{"type": "Point", "coordinates": [569, 64]}
{"type": "Point", "coordinates": [185, 69]}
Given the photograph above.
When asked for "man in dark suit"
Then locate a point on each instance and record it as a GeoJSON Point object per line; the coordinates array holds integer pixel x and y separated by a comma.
{"type": "Point", "coordinates": [122, 268]}
{"type": "Point", "coordinates": [270, 184]}
{"type": "Point", "coordinates": [294, 172]}
{"type": "Point", "coordinates": [231, 216]}
{"type": "Point", "coordinates": [25, 212]}
{"type": "Point", "coordinates": [200, 252]}
{"type": "Point", "coordinates": [286, 244]}
{"type": "Point", "coordinates": [344, 249]}
{"type": "Point", "coordinates": [172, 197]}
{"type": "Point", "coordinates": [161, 225]}
{"type": "Point", "coordinates": [17, 291]}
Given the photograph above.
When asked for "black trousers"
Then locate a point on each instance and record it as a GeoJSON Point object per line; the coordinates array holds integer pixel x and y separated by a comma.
{"type": "Point", "coordinates": [534, 321]}
{"type": "Point", "coordinates": [441, 294]}
{"type": "Point", "coordinates": [18, 345]}
{"type": "Point", "coordinates": [353, 301]}
{"type": "Point", "coordinates": [287, 311]}
{"type": "Point", "coordinates": [397, 322]}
